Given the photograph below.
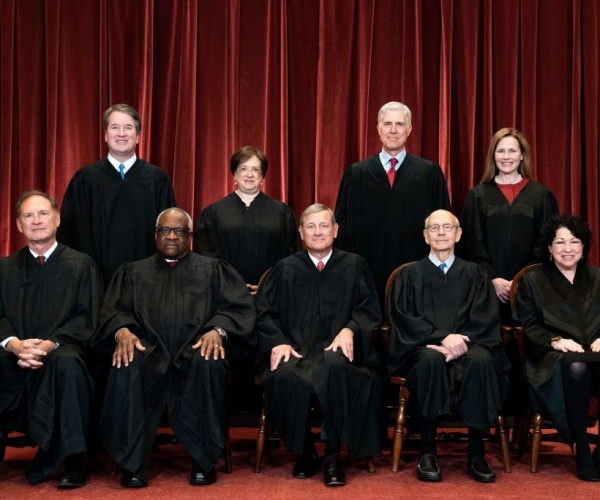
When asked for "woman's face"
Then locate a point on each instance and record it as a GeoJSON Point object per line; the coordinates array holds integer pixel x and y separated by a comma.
{"type": "Point", "coordinates": [508, 155]}
{"type": "Point", "coordinates": [566, 249]}
{"type": "Point", "coordinates": [248, 176]}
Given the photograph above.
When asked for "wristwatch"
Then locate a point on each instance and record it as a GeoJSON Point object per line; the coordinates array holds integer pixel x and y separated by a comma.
{"type": "Point", "coordinates": [220, 331]}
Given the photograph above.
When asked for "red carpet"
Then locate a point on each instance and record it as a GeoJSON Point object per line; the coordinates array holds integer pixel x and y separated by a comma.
{"type": "Point", "coordinates": [170, 469]}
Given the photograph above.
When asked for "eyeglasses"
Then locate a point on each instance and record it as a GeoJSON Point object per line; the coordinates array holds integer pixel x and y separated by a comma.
{"type": "Point", "coordinates": [166, 231]}
{"type": "Point", "coordinates": [435, 228]}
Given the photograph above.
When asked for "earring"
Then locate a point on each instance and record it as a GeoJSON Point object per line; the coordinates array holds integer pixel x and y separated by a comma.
{"type": "Point", "coordinates": [550, 257]}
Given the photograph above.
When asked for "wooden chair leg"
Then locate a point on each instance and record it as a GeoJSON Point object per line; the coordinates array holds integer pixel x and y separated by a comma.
{"type": "Point", "coordinates": [399, 430]}
{"type": "Point", "coordinates": [537, 441]}
{"type": "Point", "coordinates": [260, 440]}
{"type": "Point", "coordinates": [227, 454]}
{"type": "Point", "coordinates": [503, 442]}
{"type": "Point", "coordinates": [370, 465]}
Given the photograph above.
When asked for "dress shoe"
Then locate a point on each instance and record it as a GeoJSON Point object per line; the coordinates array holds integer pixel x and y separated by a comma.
{"type": "Point", "coordinates": [333, 472]}
{"type": "Point", "coordinates": [586, 468]}
{"type": "Point", "coordinates": [75, 474]}
{"type": "Point", "coordinates": [428, 469]}
{"type": "Point", "coordinates": [306, 466]}
{"type": "Point", "coordinates": [480, 470]}
{"type": "Point", "coordinates": [199, 476]}
{"type": "Point", "coordinates": [130, 480]}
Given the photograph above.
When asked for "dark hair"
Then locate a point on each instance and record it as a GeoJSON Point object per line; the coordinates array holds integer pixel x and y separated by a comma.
{"type": "Point", "coordinates": [490, 169]}
{"type": "Point", "coordinates": [29, 194]}
{"type": "Point", "coordinates": [578, 227]}
{"type": "Point", "coordinates": [245, 153]}
{"type": "Point", "coordinates": [123, 108]}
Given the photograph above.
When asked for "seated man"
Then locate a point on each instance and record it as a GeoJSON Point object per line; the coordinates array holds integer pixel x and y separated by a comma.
{"type": "Point", "coordinates": [50, 298]}
{"type": "Point", "coordinates": [169, 316]}
{"type": "Point", "coordinates": [446, 341]}
{"type": "Point", "coordinates": [316, 312]}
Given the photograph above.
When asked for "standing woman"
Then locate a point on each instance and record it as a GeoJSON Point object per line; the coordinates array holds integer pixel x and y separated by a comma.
{"type": "Point", "coordinates": [247, 228]}
{"type": "Point", "coordinates": [504, 214]}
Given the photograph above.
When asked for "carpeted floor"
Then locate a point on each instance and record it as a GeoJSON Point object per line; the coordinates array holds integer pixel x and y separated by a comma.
{"type": "Point", "coordinates": [170, 469]}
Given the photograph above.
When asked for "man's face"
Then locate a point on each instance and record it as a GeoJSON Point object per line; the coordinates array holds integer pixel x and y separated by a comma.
{"type": "Point", "coordinates": [121, 136]}
{"type": "Point", "coordinates": [38, 221]}
{"type": "Point", "coordinates": [441, 233]}
{"type": "Point", "coordinates": [393, 131]}
{"type": "Point", "coordinates": [171, 245]}
{"type": "Point", "coordinates": [318, 232]}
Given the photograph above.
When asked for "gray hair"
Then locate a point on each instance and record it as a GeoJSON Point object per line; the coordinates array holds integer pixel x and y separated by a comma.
{"type": "Point", "coordinates": [456, 221]}
{"type": "Point", "coordinates": [313, 209]}
{"type": "Point", "coordinates": [395, 106]}
{"type": "Point", "coordinates": [34, 192]}
{"type": "Point", "coordinates": [178, 210]}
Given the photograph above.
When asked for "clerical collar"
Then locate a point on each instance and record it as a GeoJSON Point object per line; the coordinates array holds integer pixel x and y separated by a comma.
{"type": "Point", "coordinates": [449, 261]}
{"type": "Point", "coordinates": [47, 253]}
{"type": "Point", "coordinates": [127, 163]}
{"type": "Point", "coordinates": [385, 157]}
{"type": "Point", "coordinates": [323, 260]}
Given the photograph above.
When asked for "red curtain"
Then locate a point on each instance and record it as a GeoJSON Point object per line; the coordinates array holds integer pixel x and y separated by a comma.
{"type": "Point", "coordinates": [301, 79]}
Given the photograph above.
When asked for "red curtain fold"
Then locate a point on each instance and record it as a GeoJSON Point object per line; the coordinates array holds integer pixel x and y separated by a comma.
{"type": "Point", "coordinates": [303, 80]}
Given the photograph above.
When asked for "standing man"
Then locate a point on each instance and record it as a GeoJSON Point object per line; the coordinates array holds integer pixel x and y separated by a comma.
{"type": "Point", "coordinates": [166, 320]}
{"type": "Point", "coordinates": [316, 312]}
{"type": "Point", "coordinates": [49, 302]}
{"type": "Point", "coordinates": [446, 341]}
{"type": "Point", "coordinates": [383, 200]}
{"type": "Point", "coordinates": [110, 206]}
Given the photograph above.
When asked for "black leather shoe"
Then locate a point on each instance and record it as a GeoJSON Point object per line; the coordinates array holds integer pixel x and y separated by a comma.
{"type": "Point", "coordinates": [306, 466]}
{"type": "Point", "coordinates": [481, 471]}
{"type": "Point", "coordinates": [130, 480]}
{"type": "Point", "coordinates": [200, 477]}
{"type": "Point", "coordinates": [428, 469]}
{"type": "Point", "coordinates": [333, 472]}
{"type": "Point", "coordinates": [586, 468]}
{"type": "Point", "coordinates": [75, 474]}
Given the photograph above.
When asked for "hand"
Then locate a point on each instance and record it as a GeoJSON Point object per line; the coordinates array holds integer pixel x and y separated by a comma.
{"type": "Point", "coordinates": [30, 352]}
{"type": "Point", "coordinates": [595, 345]}
{"type": "Point", "coordinates": [210, 343]}
{"type": "Point", "coordinates": [566, 345]}
{"type": "Point", "coordinates": [127, 343]}
{"type": "Point", "coordinates": [446, 352]}
{"type": "Point", "coordinates": [253, 288]}
{"type": "Point", "coordinates": [502, 288]}
{"type": "Point", "coordinates": [456, 344]}
{"type": "Point", "coordinates": [283, 351]}
{"type": "Point", "coordinates": [345, 341]}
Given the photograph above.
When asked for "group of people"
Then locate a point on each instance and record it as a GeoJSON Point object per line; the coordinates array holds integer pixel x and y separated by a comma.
{"type": "Point", "coordinates": [174, 322]}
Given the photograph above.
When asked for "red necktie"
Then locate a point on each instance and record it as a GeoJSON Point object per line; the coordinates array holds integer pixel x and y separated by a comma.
{"type": "Point", "coordinates": [41, 260]}
{"type": "Point", "coordinates": [172, 263]}
{"type": "Point", "coordinates": [320, 265]}
{"type": "Point", "coordinates": [392, 171]}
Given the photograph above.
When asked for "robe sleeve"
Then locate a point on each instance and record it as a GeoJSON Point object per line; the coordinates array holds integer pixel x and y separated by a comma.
{"type": "Point", "coordinates": [164, 192]}
{"type": "Point", "coordinates": [75, 228]}
{"type": "Point", "coordinates": [291, 235]}
{"type": "Point", "coordinates": [206, 238]}
{"type": "Point", "coordinates": [548, 209]}
{"type": "Point", "coordinates": [269, 326]}
{"type": "Point", "coordinates": [343, 213]}
{"type": "Point", "coordinates": [233, 306]}
{"type": "Point", "coordinates": [473, 244]}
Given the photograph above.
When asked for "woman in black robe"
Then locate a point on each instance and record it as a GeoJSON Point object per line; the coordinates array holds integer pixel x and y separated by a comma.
{"type": "Point", "coordinates": [557, 304]}
{"type": "Point", "coordinates": [503, 215]}
{"type": "Point", "coordinates": [252, 232]}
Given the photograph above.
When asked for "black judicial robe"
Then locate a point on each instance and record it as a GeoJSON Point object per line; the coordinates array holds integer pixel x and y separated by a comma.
{"type": "Point", "coordinates": [383, 224]}
{"type": "Point", "coordinates": [300, 306]}
{"type": "Point", "coordinates": [425, 306]}
{"type": "Point", "coordinates": [250, 238]}
{"type": "Point", "coordinates": [169, 308]}
{"type": "Point", "coordinates": [58, 302]}
{"type": "Point", "coordinates": [113, 219]}
{"type": "Point", "coordinates": [548, 305]}
{"type": "Point", "coordinates": [500, 236]}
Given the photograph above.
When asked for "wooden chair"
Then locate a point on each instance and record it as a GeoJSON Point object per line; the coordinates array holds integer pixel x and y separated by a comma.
{"type": "Point", "coordinates": [404, 393]}
{"type": "Point", "coordinates": [263, 424]}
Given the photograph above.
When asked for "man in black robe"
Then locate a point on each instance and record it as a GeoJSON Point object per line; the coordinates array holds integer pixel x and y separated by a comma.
{"type": "Point", "coordinates": [383, 200]}
{"type": "Point", "coordinates": [50, 297]}
{"type": "Point", "coordinates": [316, 312]}
{"type": "Point", "coordinates": [446, 341]}
{"type": "Point", "coordinates": [110, 206]}
{"type": "Point", "coordinates": [166, 320]}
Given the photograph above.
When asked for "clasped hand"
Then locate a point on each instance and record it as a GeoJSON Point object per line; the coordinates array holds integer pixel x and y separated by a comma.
{"type": "Point", "coordinates": [453, 346]}
{"type": "Point", "coordinates": [30, 352]}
